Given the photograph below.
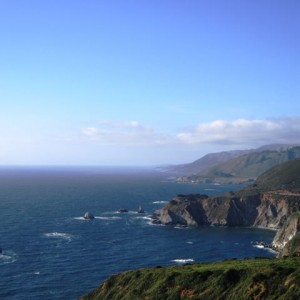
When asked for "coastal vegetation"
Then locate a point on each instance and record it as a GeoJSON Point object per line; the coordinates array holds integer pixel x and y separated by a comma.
{"type": "Point", "coordinates": [258, 278]}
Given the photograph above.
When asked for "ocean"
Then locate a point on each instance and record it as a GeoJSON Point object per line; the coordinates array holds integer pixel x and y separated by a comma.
{"type": "Point", "coordinates": [49, 251]}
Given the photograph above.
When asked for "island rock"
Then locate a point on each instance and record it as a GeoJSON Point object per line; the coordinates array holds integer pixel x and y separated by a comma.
{"type": "Point", "coordinates": [88, 216]}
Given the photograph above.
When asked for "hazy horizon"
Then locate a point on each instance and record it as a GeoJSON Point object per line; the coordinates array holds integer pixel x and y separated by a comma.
{"type": "Point", "coordinates": [131, 83]}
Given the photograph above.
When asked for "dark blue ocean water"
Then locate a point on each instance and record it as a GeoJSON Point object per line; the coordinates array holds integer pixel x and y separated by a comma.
{"type": "Point", "coordinates": [51, 252]}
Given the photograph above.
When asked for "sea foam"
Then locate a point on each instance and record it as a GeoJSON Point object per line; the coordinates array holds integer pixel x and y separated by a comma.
{"type": "Point", "coordinates": [265, 248]}
{"type": "Point", "coordinates": [108, 218]}
{"type": "Point", "coordinates": [7, 257]}
{"type": "Point", "coordinates": [59, 235]}
{"type": "Point", "coordinates": [183, 260]}
{"type": "Point", "coordinates": [98, 217]}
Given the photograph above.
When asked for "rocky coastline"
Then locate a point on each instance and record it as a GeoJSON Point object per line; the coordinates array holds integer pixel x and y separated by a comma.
{"type": "Point", "coordinates": [274, 210]}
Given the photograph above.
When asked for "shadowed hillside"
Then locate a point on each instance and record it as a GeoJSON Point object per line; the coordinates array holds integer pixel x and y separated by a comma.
{"type": "Point", "coordinates": [282, 177]}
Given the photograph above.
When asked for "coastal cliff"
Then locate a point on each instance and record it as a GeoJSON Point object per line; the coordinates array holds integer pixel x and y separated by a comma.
{"type": "Point", "coordinates": [258, 209]}
{"type": "Point", "coordinates": [287, 239]}
{"type": "Point", "coordinates": [272, 202]}
{"type": "Point", "coordinates": [268, 203]}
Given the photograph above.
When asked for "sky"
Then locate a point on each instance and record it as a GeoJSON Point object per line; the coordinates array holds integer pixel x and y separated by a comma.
{"type": "Point", "coordinates": [114, 82]}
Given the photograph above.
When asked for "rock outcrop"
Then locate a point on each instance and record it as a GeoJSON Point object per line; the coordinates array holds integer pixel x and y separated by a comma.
{"type": "Point", "coordinates": [266, 209]}
{"type": "Point", "coordinates": [88, 216]}
{"type": "Point", "coordinates": [292, 247]}
{"type": "Point", "coordinates": [287, 238]}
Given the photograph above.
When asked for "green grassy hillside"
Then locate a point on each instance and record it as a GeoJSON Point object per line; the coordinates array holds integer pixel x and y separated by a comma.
{"type": "Point", "coordinates": [284, 176]}
{"type": "Point", "coordinates": [231, 279]}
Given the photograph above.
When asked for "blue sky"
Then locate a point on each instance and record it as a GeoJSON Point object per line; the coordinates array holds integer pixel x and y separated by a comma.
{"type": "Point", "coordinates": [146, 82]}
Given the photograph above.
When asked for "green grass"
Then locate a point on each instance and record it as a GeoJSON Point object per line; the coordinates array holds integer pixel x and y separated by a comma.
{"type": "Point", "coordinates": [283, 176]}
{"type": "Point", "coordinates": [230, 279]}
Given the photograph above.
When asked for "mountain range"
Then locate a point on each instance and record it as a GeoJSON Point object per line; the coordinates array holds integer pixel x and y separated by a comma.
{"type": "Point", "coordinates": [235, 166]}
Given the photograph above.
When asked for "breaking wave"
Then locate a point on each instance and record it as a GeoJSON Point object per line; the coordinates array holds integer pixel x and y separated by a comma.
{"type": "Point", "coordinates": [7, 257]}
{"type": "Point", "coordinates": [98, 217]}
{"type": "Point", "coordinates": [108, 218]}
{"type": "Point", "coordinates": [181, 227]}
{"type": "Point", "coordinates": [183, 260]}
{"type": "Point", "coordinates": [269, 249]}
{"type": "Point", "coordinates": [259, 246]}
{"type": "Point", "coordinates": [59, 235]}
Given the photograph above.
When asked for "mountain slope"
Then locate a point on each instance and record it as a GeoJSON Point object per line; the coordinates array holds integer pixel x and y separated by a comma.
{"type": "Point", "coordinates": [284, 176]}
{"type": "Point", "coordinates": [213, 159]}
{"type": "Point", "coordinates": [244, 167]}
{"type": "Point", "coordinates": [253, 164]}
{"type": "Point", "coordinates": [208, 161]}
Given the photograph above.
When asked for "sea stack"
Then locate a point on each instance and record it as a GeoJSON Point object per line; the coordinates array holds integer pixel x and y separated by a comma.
{"type": "Point", "coordinates": [141, 210]}
{"type": "Point", "coordinates": [88, 216]}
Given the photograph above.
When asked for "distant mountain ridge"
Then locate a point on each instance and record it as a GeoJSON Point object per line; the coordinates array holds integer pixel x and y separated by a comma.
{"type": "Point", "coordinates": [236, 166]}
{"type": "Point", "coordinates": [206, 162]}
{"type": "Point", "coordinates": [213, 159]}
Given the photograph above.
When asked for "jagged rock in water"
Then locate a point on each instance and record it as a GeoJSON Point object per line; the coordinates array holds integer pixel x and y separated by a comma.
{"type": "Point", "coordinates": [88, 216]}
{"type": "Point", "coordinates": [140, 210]}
